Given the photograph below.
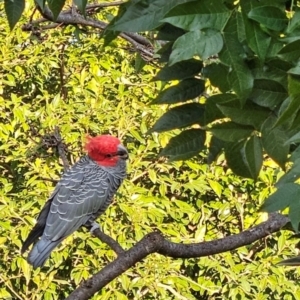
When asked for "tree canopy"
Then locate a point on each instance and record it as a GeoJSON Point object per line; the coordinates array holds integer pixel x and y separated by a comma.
{"type": "Point", "coordinates": [223, 81]}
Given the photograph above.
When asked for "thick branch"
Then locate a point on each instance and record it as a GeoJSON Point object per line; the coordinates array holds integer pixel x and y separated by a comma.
{"type": "Point", "coordinates": [275, 222]}
{"type": "Point", "coordinates": [149, 244]}
{"type": "Point", "coordinates": [155, 242]}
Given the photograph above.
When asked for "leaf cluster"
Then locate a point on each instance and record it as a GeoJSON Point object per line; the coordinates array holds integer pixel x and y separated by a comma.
{"type": "Point", "coordinates": [232, 81]}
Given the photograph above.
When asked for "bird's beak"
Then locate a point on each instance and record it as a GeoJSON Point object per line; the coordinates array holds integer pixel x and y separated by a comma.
{"type": "Point", "coordinates": [122, 152]}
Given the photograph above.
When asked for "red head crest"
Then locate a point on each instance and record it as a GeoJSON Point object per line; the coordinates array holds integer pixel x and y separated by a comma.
{"type": "Point", "coordinates": [105, 149]}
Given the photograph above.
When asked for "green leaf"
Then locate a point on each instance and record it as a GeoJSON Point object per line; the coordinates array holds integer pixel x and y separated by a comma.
{"type": "Point", "coordinates": [270, 16]}
{"type": "Point", "coordinates": [139, 63]}
{"type": "Point", "coordinates": [241, 32]}
{"type": "Point", "coordinates": [294, 22]}
{"type": "Point", "coordinates": [26, 270]}
{"type": "Point", "coordinates": [152, 175]}
{"type": "Point", "coordinates": [168, 32]}
{"type": "Point", "coordinates": [184, 90]}
{"type": "Point", "coordinates": [198, 15]}
{"type": "Point", "coordinates": [41, 4]}
{"type": "Point", "coordinates": [215, 147]}
{"type": "Point", "coordinates": [274, 141]}
{"type": "Point", "coordinates": [291, 176]}
{"type": "Point", "coordinates": [203, 43]}
{"type": "Point", "coordinates": [240, 77]}
{"type": "Point", "coordinates": [268, 93]}
{"type": "Point", "coordinates": [294, 212]}
{"type": "Point", "coordinates": [290, 52]}
{"type": "Point", "coordinates": [290, 107]}
{"type": "Point", "coordinates": [295, 155]}
{"type": "Point", "coordinates": [230, 131]}
{"type": "Point", "coordinates": [282, 198]}
{"type": "Point", "coordinates": [295, 70]}
{"type": "Point", "coordinates": [217, 73]}
{"type": "Point", "coordinates": [295, 127]}
{"type": "Point", "coordinates": [108, 34]}
{"type": "Point", "coordinates": [294, 85]}
{"type": "Point", "coordinates": [13, 10]}
{"type": "Point", "coordinates": [56, 7]}
{"type": "Point", "coordinates": [165, 52]}
{"type": "Point", "coordinates": [212, 112]}
{"type": "Point", "coordinates": [253, 155]}
{"type": "Point", "coordinates": [257, 39]}
{"type": "Point", "coordinates": [181, 70]}
{"type": "Point", "coordinates": [81, 4]}
{"type": "Point", "coordinates": [178, 117]}
{"type": "Point", "coordinates": [277, 69]}
{"type": "Point", "coordinates": [248, 115]}
{"type": "Point", "coordinates": [275, 46]}
{"type": "Point", "coordinates": [234, 154]}
{"type": "Point", "coordinates": [216, 187]}
{"type": "Point", "coordinates": [144, 15]}
{"type": "Point", "coordinates": [185, 145]}
{"type": "Point", "coordinates": [294, 139]}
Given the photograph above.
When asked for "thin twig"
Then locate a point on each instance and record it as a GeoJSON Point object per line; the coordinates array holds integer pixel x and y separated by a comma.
{"type": "Point", "coordinates": [61, 148]}
{"type": "Point", "coordinates": [8, 285]}
{"type": "Point", "coordinates": [63, 88]}
{"type": "Point", "coordinates": [114, 245]}
{"type": "Point", "coordinates": [49, 179]}
{"type": "Point", "coordinates": [104, 4]}
{"type": "Point", "coordinates": [31, 17]}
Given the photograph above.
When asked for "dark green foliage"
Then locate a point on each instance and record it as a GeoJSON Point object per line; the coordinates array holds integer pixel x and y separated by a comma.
{"type": "Point", "coordinates": [250, 52]}
{"type": "Point", "coordinates": [14, 10]}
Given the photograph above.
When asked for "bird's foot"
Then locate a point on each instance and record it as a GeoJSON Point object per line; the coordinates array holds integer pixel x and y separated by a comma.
{"type": "Point", "coordinates": [94, 226]}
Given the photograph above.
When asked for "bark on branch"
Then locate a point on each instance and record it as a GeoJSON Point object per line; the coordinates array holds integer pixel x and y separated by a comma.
{"type": "Point", "coordinates": [72, 17]}
{"type": "Point", "coordinates": [155, 242]}
{"type": "Point", "coordinates": [104, 238]}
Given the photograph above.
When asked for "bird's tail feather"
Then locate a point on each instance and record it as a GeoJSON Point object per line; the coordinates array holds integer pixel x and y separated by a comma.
{"type": "Point", "coordinates": [35, 233]}
{"type": "Point", "coordinates": [41, 251]}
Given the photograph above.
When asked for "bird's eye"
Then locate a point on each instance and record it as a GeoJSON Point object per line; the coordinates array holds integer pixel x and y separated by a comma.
{"type": "Point", "coordinates": [122, 154]}
{"type": "Point", "coordinates": [109, 155]}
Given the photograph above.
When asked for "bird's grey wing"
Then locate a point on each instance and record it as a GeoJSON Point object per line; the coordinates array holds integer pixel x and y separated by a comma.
{"type": "Point", "coordinates": [80, 194]}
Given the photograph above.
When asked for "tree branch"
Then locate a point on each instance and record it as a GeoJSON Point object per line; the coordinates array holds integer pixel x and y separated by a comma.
{"type": "Point", "coordinates": [275, 222]}
{"type": "Point", "coordinates": [104, 4]}
{"type": "Point", "coordinates": [61, 148]}
{"type": "Point", "coordinates": [114, 245]}
{"type": "Point", "coordinates": [69, 17]}
{"type": "Point", "coordinates": [155, 242]}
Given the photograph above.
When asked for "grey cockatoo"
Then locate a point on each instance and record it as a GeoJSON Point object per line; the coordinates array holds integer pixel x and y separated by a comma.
{"type": "Point", "coordinates": [80, 197]}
